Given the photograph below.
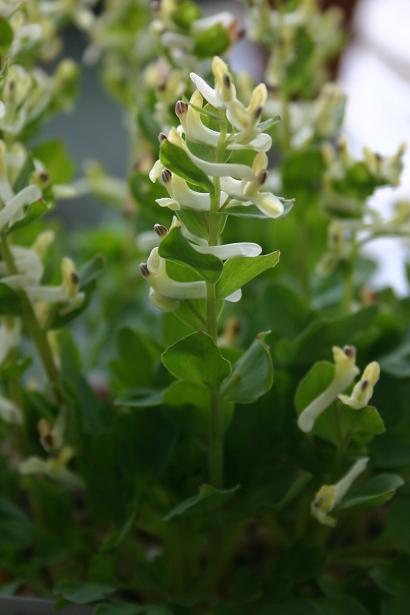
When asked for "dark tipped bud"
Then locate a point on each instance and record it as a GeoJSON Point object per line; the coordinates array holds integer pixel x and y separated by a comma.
{"type": "Point", "coordinates": [74, 278]}
{"type": "Point", "coordinates": [162, 137]}
{"type": "Point", "coordinates": [160, 229]}
{"type": "Point", "coordinates": [240, 33]}
{"type": "Point", "coordinates": [181, 108]}
{"type": "Point", "coordinates": [364, 385]}
{"type": "Point", "coordinates": [166, 175]}
{"type": "Point", "coordinates": [162, 86]}
{"type": "Point", "coordinates": [350, 351]}
{"type": "Point", "coordinates": [258, 112]}
{"type": "Point", "coordinates": [44, 177]}
{"type": "Point", "coordinates": [227, 81]}
{"type": "Point", "coordinates": [262, 177]}
{"type": "Point", "coordinates": [144, 270]}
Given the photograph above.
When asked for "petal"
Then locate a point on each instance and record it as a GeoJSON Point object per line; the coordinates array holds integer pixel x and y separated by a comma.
{"type": "Point", "coordinates": [14, 207]}
{"type": "Point", "coordinates": [170, 203]}
{"type": "Point", "coordinates": [234, 297]}
{"type": "Point", "coordinates": [343, 486]}
{"type": "Point", "coordinates": [269, 204]}
{"type": "Point", "coordinates": [223, 169]}
{"type": "Point", "coordinates": [186, 197]}
{"type": "Point", "coordinates": [156, 171]}
{"type": "Point", "coordinates": [207, 92]}
{"type": "Point", "coordinates": [231, 249]}
{"type": "Point", "coordinates": [163, 303]}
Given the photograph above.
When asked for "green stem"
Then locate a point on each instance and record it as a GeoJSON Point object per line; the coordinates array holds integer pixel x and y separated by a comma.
{"type": "Point", "coordinates": [38, 334]}
{"type": "Point", "coordinates": [349, 291]}
{"type": "Point", "coordinates": [216, 455]}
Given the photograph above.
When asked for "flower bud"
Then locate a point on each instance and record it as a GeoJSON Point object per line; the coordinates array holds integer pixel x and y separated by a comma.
{"type": "Point", "coordinates": [161, 230]}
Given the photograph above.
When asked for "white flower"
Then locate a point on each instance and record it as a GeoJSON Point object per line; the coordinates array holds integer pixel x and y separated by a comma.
{"type": "Point", "coordinates": [224, 90]}
{"type": "Point", "coordinates": [10, 334]}
{"type": "Point", "coordinates": [363, 390]}
{"type": "Point", "coordinates": [195, 130]}
{"type": "Point", "coordinates": [213, 169]}
{"type": "Point", "coordinates": [181, 195]}
{"type": "Point", "coordinates": [54, 467]}
{"type": "Point", "coordinates": [66, 293]}
{"type": "Point", "coordinates": [345, 372]}
{"type": "Point", "coordinates": [13, 205]}
{"type": "Point", "coordinates": [329, 496]}
{"type": "Point", "coordinates": [248, 193]}
{"type": "Point", "coordinates": [9, 412]}
{"type": "Point", "coordinates": [165, 292]}
{"type": "Point", "coordinates": [227, 250]}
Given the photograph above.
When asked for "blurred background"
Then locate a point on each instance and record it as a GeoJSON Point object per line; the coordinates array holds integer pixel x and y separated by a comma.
{"type": "Point", "coordinates": [374, 70]}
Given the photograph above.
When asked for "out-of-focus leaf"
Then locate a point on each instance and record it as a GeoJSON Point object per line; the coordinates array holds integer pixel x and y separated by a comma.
{"type": "Point", "coordinates": [252, 374]}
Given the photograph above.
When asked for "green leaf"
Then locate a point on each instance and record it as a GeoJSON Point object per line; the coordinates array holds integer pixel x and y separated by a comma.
{"type": "Point", "coordinates": [252, 374]}
{"type": "Point", "coordinates": [22, 179]}
{"type": "Point", "coordinates": [285, 310]}
{"type": "Point", "coordinates": [178, 161]}
{"type": "Point", "coordinates": [138, 359]}
{"type": "Point", "coordinates": [313, 384]}
{"type": "Point", "coordinates": [145, 193]}
{"type": "Point", "coordinates": [340, 605]}
{"type": "Point", "coordinates": [14, 368]}
{"type": "Point", "coordinates": [186, 394]}
{"type": "Point", "coordinates": [197, 359]}
{"type": "Point", "coordinates": [54, 155]}
{"type": "Point", "coordinates": [6, 35]}
{"type": "Point", "coordinates": [374, 492]}
{"type": "Point", "coordinates": [32, 212]}
{"type": "Point", "coordinates": [206, 502]}
{"type": "Point", "coordinates": [179, 393]}
{"type": "Point", "coordinates": [141, 398]}
{"type": "Point", "coordinates": [10, 303]}
{"type": "Point", "coordinates": [84, 593]}
{"type": "Point", "coordinates": [175, 247]}
{"type": "Point", "coordinates": [17, 531]}
{"type": "Point", "coordinates": [340, 422]}
{"type": "Point", "coordinates": [397, 362]}
{"type": "Point", "coordinates": [321, 334]}
{"type": "Point", "coordinates": [239, 270]}
{"type": "Point", "coordinates": [196, 222]}
{"type": "Point", "coordinates": [185, 14]}
{"type": "Point", "coordinates": [393, 578]}
{"type": "Point", "coordinates": [211, 42]}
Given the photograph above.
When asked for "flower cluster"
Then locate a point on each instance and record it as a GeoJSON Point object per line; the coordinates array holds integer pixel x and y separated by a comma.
{"type": "Point", "coordinates": [345, 371]}
{"type": "Point", "coordinates": [27, 96]}
{"type": "Point", "coordinates": [216, 119]}
{"type": "Point", "coordinates": [303, 35]}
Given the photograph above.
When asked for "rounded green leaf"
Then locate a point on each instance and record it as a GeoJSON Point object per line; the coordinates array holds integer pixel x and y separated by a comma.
{"type": "Point", "coordinates": [252, 374]}
{"type": "Point", "coordinates": [175, 247]}
{"type": "Point", "coordinates": [196, 358]}
{"type": "Point", "coordinates": [239, 270]}
{"type": "Point", "coordinates": [178, 161]}
{"type": "Point", "coordinates": [374, 492]}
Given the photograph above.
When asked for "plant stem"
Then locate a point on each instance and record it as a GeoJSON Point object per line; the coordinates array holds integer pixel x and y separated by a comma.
{"type": "Point", "coordinates": [38, 334]}
{"type": "Point", "coordinates": [216, 401]}
{"type": "Point", "coordinates": [350, 277]}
